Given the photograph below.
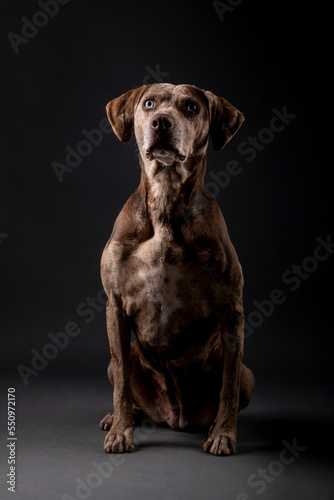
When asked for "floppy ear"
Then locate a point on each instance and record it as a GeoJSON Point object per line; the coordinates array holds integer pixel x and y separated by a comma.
{"type": "Point", "coordinates": [120, 112]}
{"type": "Point", "coordinates": [225, 120]}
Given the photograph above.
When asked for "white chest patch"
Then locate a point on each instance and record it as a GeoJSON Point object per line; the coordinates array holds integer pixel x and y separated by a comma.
{"type": "Point", "coordinates": [158, 288]}
{"type": "Point", "coordinates": [155, 282]}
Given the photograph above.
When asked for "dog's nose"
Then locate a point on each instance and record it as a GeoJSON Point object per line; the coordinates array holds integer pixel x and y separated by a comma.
{"type": "Point", "coordinates": [162, 122]}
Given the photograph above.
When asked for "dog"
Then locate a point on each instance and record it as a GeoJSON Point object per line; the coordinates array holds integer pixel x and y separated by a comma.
{"type": "Point", "coordinates": [172, 275]}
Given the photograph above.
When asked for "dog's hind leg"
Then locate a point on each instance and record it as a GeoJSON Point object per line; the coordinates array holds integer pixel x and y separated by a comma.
{"type": "Point", "coordinates": [247, 384]}
{"type": "Point", "coordinates": [137, 414]}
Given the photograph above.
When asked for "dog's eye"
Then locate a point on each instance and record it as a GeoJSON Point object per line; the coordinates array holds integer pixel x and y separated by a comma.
{"type": "Point", "coordinates": [149, 103]}
{"type": "Point", "coordinates": [191, 106]}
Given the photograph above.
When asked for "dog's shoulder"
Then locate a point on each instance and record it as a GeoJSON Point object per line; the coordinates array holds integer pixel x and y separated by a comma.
{"type": "Point", "coordinates": [130, 228]}
{"type": "Point", "coordinates": [132, 223]}
{"type": "Point", "coordinates": [207, 237]}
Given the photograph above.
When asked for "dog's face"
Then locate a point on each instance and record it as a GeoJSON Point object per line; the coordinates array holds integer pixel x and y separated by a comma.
{"type": "Point", "coordinates": [172, 124]}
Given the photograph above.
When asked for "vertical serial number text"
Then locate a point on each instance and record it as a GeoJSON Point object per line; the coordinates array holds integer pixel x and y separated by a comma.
{"type": "Point", "coordinates": [11, 440]}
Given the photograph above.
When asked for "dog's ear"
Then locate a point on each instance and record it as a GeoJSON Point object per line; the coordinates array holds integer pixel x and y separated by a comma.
{"type": "Point", "coordinates": [225, 120]}
{"type": "Point", "coordinates": [120, 112]}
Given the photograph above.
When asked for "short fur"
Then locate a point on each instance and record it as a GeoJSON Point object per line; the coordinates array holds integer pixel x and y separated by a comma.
{"type": "Point", "coordinates": [172, 275]}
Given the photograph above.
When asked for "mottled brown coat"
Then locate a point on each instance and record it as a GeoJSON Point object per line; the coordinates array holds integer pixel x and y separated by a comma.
{"type": "Point", "coordinates": [172, 275]}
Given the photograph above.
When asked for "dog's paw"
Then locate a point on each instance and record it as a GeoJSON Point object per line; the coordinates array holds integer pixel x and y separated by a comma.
{"type": "Point", "coordinates": [107, 421]}
{"type": "Point", "coordinates": [221, 442]}
{"type": "Point", "coordinates": [119, 442]}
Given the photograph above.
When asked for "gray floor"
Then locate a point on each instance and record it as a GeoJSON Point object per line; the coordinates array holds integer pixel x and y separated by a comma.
{"type": "Point", "coordinates": [60, 449]}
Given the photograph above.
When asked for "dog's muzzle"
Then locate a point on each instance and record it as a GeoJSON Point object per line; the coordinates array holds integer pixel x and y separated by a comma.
{"type": "Point", "coordinates": [162, 139]}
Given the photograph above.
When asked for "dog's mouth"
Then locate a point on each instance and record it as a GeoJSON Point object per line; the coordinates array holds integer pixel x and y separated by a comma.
{"type": "Point", "coordinates": [164, 152]}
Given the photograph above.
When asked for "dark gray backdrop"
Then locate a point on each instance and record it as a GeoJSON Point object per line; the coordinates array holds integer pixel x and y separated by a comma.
{"type": "Point", "coordinates": [263, 57]}
{"type": "Point", "coordinates": [259, 57]}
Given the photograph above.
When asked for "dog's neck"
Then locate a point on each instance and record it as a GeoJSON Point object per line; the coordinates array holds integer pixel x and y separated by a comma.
{"type": "Point", "coordinates": [169, 192]}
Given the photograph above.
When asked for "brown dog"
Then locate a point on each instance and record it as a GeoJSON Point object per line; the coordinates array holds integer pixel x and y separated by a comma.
{"type": "Point", "coordinates": [172, 275]}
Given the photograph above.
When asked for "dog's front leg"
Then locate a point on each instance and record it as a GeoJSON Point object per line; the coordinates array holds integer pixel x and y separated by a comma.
{"type": "Point", "coordinates": [223, 433]}
{"type": "Point", "coordinates": [120, 436]}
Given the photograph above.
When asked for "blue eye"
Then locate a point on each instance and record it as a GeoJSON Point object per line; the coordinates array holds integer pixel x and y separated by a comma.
{"type": "Point", "coordinates": [149, 103]}
{"type": "Point", "coordinates": [191, 106]}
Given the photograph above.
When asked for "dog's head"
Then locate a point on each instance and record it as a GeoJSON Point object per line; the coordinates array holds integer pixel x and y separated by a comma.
{"type": "Point", "coordinates": [172, 123]}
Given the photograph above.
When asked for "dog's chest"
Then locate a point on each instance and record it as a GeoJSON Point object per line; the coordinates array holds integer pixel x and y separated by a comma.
{"type": "Point", "coordinates": [163, 292]}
